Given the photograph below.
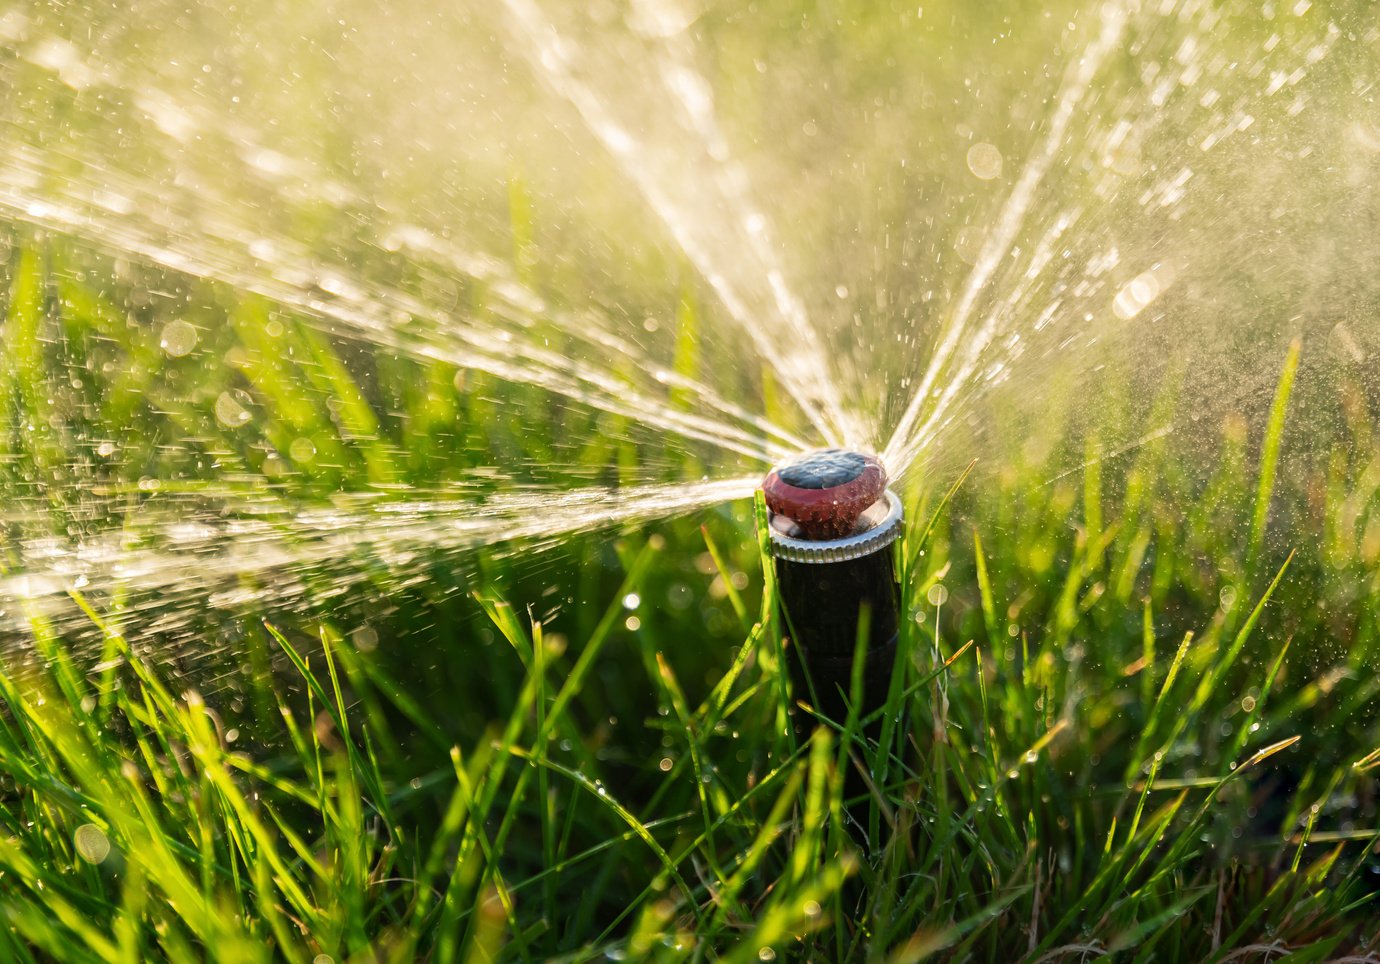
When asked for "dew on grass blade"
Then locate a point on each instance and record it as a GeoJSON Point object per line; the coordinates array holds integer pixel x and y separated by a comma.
{"type": "Point", "coordinates": [91, 843]}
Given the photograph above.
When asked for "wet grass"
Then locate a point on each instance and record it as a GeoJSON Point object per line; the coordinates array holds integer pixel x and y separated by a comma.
{"type": "Point", "coordinates": [1131, 714]}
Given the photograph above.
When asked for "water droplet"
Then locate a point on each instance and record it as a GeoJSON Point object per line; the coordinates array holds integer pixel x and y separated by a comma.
{"type": "Point", "coordinates": [91, 842]}
{"type": "Point", "coordinates": [178, 339]}
{"type": "Point", "coordinates": [1227, 597]}
{"type": "Point", "coordinates": [1137, 294]}
{"type": "Point", "coordinates": [231, 409]}
{"type": "Point", "coordinates": [365, 638]}
{"type": "Point", "coordinates": [302, 450]}
{"type": "Point", "coordinates": [985, 161]}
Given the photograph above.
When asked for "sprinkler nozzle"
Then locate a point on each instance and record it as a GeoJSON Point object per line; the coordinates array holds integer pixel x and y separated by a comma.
{"type": "Point", "coordinates": [825, 492]}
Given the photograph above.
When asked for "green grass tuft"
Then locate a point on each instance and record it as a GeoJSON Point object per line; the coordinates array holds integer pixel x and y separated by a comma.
{"type": "Point", "coordinates": [1105, 736]}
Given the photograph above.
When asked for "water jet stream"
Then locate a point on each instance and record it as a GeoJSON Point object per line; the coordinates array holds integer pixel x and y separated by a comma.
{"type": "Point", "coordinates": [906, 439]}
{"type": "Point", "coordinates": [1134, 222]}
{"type": "Point", "coordinates": [240, 553]}
{"type": "Point", "coordinates": [796, 351]}
{"type": "Point", "coordinates": [354, 312]}
{"type": "Point", "coordinates": [1089, 236]}
{"type": "Point", "coordinates": [512, 304]}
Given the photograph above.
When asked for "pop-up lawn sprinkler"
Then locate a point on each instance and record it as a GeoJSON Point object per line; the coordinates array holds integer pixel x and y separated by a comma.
{"type": "Point", "coordinates": [832, 521]}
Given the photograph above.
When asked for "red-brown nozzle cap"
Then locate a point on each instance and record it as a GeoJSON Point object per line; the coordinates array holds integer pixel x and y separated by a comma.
{"type": "Point", "coordinates": [825, 491]}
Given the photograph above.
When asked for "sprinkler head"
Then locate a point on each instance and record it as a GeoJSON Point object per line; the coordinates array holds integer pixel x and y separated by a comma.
{"type": "Point", "coordinates": [830, 525]}
{"type": "Point", "coordinates": [823, 494]}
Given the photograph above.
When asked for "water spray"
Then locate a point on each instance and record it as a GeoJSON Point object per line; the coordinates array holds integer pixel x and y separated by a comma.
{"type": "Point", "coordinates": [831, 524]}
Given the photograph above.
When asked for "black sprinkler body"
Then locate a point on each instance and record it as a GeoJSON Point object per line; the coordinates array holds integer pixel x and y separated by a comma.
{"type": "Point", "coordinates": [832, 522]}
